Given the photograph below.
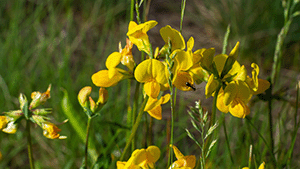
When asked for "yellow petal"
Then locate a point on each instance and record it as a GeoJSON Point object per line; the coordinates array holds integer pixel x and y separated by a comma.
{"type": "Point", "coordinates": [175, 37]}
{"type": "Point", "coordinates": [190, 161]}
{"type": "Point", "coordinates": [113, 60]}
{"type": "Point", "coordinates": [10, 128]}
{"type": "Point", "coordinates": [137, 157]}
{"type": "Point", "coordinates": [234, 52]}
{"type": "Point", "coordinates": [211, 86]}
{"type": "Point", "coordinates": [155, 112]}
{"type": "Point", "coordinates": [230, 93]}
{"type": "Point", "coordinates": [207, 58]}
{"type": "Point", "coordinates": [198, 74]}
{"type": "Point", "coordinates": [220, 102]}
{"type": "Point", "coordinates": [153, 154]}
{"type": "Point", "coordinates": [190, 43]}
{"type": "Point", "coordinates": [121, 164]}
{"type": "Point", "coordinates": [244, 92]}
{"type": "Point", "coordinates": [181, 79]}
{"type": "Point", "coordinates": [150, 69]}
{"type": "Point", "coordinates": [3, 122]}
{"type": "Point", "coordinates": [238, 108]}
{"type": "Point", "coordinates": [220, 62]}
{"type": "Point", "coordinates": [262, 166]}
{"type": "Point", "coordinates": [184, 60]}
{"type": "Point", "coordinates": [50, 130]}
{"type": "Point", "coordinates": [152, 89]}
{"type": "Point", "coordinates": [101, 78]}
{"type": "Point", "coordinates": [263, 85]}
{"type": "Point", "coordinates": [178, 154]}
{"type": "Point", "coordinates": [165, 98]}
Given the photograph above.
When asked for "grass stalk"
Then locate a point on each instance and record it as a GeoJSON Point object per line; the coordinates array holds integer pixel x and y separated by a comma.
{"type": "Point", "coordinates": [134, 128]}
{"type": "Point", "coordinates": [84, 165]}
{"type": "Point", "coordinates": [183, 2]}
{"type": "Point", "coordinates": [29, 144]}
{"type": "Point", "coordinates": [227, 141]}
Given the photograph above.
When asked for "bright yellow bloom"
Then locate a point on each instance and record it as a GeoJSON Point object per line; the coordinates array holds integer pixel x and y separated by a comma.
{"type": "Point", "coordinates": [138, 34]}
{"type": "Point", "coordinates": [127, 57]}
{"type": "Point", "coordinates": [152, 73]}
{"type": "Point", "coordinates": [183, 162]}
{"type": "Point", "coordinates": [175, 37]}
{"type": "Point", "coordinates": [7, 125]}
{"type": "Point", "coordinates": [51, 131]}
{"type": "Point", "coordinates": [262, 166]}
{"type": "Point", "coordinates": [141, 158]}
{"type": "Point", "coordinates": [153, 106]}
{"type": "Point", "coordinates": [237, 88]}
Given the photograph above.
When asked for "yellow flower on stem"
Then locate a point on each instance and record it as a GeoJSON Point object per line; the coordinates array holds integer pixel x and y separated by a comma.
{"type": "Point", "coordinates": [182, 162]}
{"type": "Point", "coordinates": [3, 122]}
{"type": "Point", "coordinates": [153, 106]}
{"type": "Point", "coordinates": [152, 73]}
{"type": "Point", "coordinates": [138, 35]}
{"type": "Point", "coordinates": [51, 131]}
{"type": "Point", "coordinates": [39, 98]}
{"type": "Point", "coordinates": [175, 37]}
{"type": "Point", "coordinates": [141, 158]}
{"type": "Point", "coordinates": [7, 124]}
{"type": "Point", "coordinates": [127, 57]}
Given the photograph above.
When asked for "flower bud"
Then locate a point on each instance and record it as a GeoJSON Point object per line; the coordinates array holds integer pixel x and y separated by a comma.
{"type": "Point", "coordinates": [39, 98]}
{"type": "Point", "coordinates": [41, 111]}
{"type": "Point", "coordinates": [51, 131]}
{"type": "Point", "coordinates": [93, 106]}
{"type": "Point", "coordinates": [22, 100]}
{"type": "Point", "coordinates": [103, 96]}
{"type": "Point", "coordinates": [83, 96]}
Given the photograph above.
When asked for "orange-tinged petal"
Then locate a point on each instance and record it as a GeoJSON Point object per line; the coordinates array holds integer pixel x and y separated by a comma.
{"type": "Point", "coordinates": [152, 89]}
{"type": "Point", "coordinates": [190, 161]}
{"type": "Point", "coordinates": [113, 60]}
{"type": "Point", "coordinates": [238, 108]}
{"type": "Point", "coordinates": [181, 79]}
{"type": "Point", "coordinates": [230, 93]}
{"type": "Point", "coordinates": [50, 130]}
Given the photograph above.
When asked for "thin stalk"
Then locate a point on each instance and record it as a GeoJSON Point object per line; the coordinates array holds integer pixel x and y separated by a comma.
{"type": "Point", "coordinates": [273, 156]}
{"type": "Point", "coordinates": [182, 13]}
{"type": "Point", "coordinates": [131, 10]}
{"type": "Point", "coordinates": [172, 126]}
{"type": "Point", "coordinates": [29, 145]}
{"type": "Point", "coordinates": [270, 119]}
{"type": "Point", "coordinates": [134, 111]}
{"type": "Point", "coordinates": [134, 128]}
{"type": "Point", "coordinates": [87, 142]}
{"type": "Point", "coordinates": [227, 141]}
{"type": "Point", "coordinates": [129, 110]}
{"type": "Point", "coordinates": [214, 108]}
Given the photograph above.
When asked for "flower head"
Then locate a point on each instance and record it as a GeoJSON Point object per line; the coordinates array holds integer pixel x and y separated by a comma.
{"type": "Point", "coordinates": [39, 98]}
{"type": "Point", "coordinates": [141, 158]}
{"type": "Point", "coordinates": [172, 35]}
{"type": "Point", "coordinates": [138, 34]}
{"type": "Point", "coordinates": [153, 106]}
{"type": "Point", "coordinates": [51, 131]}
{"type": "Point", "coordinates": [182, 161]}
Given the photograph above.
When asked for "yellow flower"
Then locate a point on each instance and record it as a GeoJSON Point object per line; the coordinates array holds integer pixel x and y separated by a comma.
{"type": "Point", "coordinates": [153, 106]}
{"type": "Point", "coordinates": [177, 41]}
{"type": "Point", "coordinates": [187, 67]}
{"type": "Point", "coordinates": [152, 73]}
{"type": "Point", "coordinates": [51, 131]}
{"type": "Point", "coordinates": [184, 162]}
{"type": "Point", "coordinates": [262, 166]}
{"type": "Point", "coordinates": [39, 98]}
{"type": "Point", "coordinates": [141, 158]}
{"type": "Point", "coordinates": [138, 34]}
{"type": "Point", "coordinates": [7, 125]}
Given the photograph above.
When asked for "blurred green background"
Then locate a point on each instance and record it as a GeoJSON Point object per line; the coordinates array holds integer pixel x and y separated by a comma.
{"type": "Point", "coordinates": [63, 42]}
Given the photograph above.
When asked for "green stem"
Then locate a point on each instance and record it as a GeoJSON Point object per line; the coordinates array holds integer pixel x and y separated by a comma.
{"type": "Point", "coordinates": [227, 141]}
{"type": "Point", "coordinates": [29, 145]}
{"type": "Point", "coordinates": [87, 142]}
{"type": "Point", "coordinates": [183, 2]}
{"type": "Point", "coordinates": [214, 108]}
{"type": "Point", "coordinates": [134, 111]}
{"type": "Point", "coordinates": [134, 128]}
{"type": "Point", "coordinates": [172, 125]}
{"type": "Point", "coordinates": [131, 10]}
{"type": "Point", "coordinates": [273, 157]}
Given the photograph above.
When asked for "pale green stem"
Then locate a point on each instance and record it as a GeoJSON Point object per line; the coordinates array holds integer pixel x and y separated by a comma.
{"type": "Point", "coordinates": [227, 140]}
{"type": "Point", "coordinates": [134, 111]}
{"type": "Point", "coordinates": [131, 10]}
{"type": "Point", "coordinates": [29, 145]}
{"type": "Point", "coordinates": [87, 142]}
{"type": "Point", "coordinates": [183, 2]}
{"type": "Point", "coordinates": [134, 128]}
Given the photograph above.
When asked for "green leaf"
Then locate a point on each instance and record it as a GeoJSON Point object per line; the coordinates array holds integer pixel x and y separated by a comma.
{"type": "Point", "coordinates": [77, 123]}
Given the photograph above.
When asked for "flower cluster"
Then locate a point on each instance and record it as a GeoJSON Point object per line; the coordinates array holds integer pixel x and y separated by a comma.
{"type": "Point", "coordinates": [173, 65]}
{"type": "Point", "coordinates": [9, 122]}
{"type": "Point", "coordinates": [146, 158]}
